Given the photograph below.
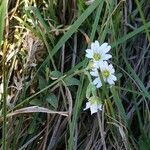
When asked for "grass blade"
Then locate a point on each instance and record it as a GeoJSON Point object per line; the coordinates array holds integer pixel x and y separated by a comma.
{"type": "Point", "coordinates": [3, 9]}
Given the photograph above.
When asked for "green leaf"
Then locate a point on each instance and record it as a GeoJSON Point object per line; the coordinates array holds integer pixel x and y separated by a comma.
{"type": "Point", "coordinates": [52, 100]}
{"type": "Point", "coordinates": [71, 81]}
{"type": "Point", "coordinates": [42, 82]}
{"type": "Point", "coordinates": [36, 102]}
{"type": "Point", "coordinates": [119, 75]}
{"type": "Point", "coordinates": [56, 74]}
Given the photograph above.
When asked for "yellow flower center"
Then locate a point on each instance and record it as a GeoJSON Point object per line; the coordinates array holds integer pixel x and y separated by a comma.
{"type": "Point", "coordinates": [97, 56]}
{"type": "Point", "coordinates": [106, 73]}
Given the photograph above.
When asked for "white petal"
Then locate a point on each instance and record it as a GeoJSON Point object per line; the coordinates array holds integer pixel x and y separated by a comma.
{"type": "Point", "coordinates": [107, 56]}
{"type": "Point", "coordinates": [96, 81]}
{"type": "Point", "coordinates": [113, 77]}
{"type": "Point", "coordinates": [99, 84]}
{"type": "Point", "coordinates": [88, 104]}
{"type": "Point", "coordinates": [94, 73]}
{"type": "Point", "coordinates": [89, 50]}
{"type": "Point", "coordinates": [111, 68]}
{"type": "Point", "coordinates": [104, 48]}
{"type": "Point", "coordinates": [104, 45]}
{"type": "Point", "coordinates": [98, 64]}
{"type": "Point", "coordinates": [93, 108]}
{"type": "Point", "coordinates": [110, 81]}
{"type": "Point", "coordinates": [104, 65]}
{"type": "Point", "coordinates": [89, 55]}
{"type": "Point", "coordinates": [95, 46]}
{"type": "Point", "coordinates": [107, 49]}
{"type": "Point", "coordinates": [99, 106]}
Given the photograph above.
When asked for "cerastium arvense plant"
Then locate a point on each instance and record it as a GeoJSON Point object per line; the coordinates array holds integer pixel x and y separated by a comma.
{"type": "Point", "coordinates": [101, 71]}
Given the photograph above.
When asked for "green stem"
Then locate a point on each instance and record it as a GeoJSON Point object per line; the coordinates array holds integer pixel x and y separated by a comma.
{"type": "Point", "coordinates": [3, 12]}
{"type": "Point", "coordinates": [4, 102]}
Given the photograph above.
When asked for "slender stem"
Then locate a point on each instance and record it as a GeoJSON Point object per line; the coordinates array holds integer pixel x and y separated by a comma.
{"type": "Point", "coordinates": [4, 100]}
{"type": "Point", "coordinates": [101, 131]}
{"type": "Point", "coordinates": [3, 12]}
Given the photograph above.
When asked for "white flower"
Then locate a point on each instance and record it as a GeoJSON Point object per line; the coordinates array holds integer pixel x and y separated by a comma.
{"type": "Point", "coordinates": [94, 105]}
{"type": "Point", "coordinates": [98, 53]}
{"type": "Point", "coordinates": [107, 74]}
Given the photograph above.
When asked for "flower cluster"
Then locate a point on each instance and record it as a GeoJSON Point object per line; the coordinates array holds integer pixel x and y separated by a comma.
{"type": "Point", "coordinates": [100, 69]}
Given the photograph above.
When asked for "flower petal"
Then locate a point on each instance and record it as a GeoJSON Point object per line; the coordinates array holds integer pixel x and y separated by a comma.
{"type": "Point", "coordinates": [107, 56]}
{"type": "Point", "coordinates": [104, 45]}
{"type": "Point", "coordinates": [98, 64]}
{"type": "Point", "coordinates": [104, 48]}
{"type": "Point", "coordinates": [99, 106]}
{"type": "Point", "coordinates": [95, 46]}
{"type": "Point", "coordinates": [96, 81]}
{"type": "Point", "coordinates": [110, 81]}
{"type": "Point", "coordinates": [94, 73]}
{"type": "Point", "coordinates": [113, 77]}
{"type": "Point", "coordinates": [111, 69]}
{"type": "Point", "coordinates": [104, 66]}
{"type": "Point", "coordinates": [89, 53]}
{"type": "Point", "coordinates": [88, 104]}
{"type": "Point", "coordinates": [107, 49]}
{"type": "Point", "coordinates": [88, 50]}
{"type": "Point", "coordinates": [99, 84]}
{"type": "Point", "coordinates": [93, 108]}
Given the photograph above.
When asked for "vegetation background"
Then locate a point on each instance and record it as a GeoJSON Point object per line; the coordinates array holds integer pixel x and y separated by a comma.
{"type": "Point", "coordinates": [43, 84]}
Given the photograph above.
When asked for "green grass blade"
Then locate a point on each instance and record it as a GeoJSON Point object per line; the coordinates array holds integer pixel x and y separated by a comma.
{"type": "Point", "coordinates": [3, 11]}
{"type": "Point", "coordinates": [143, 19]}
{"type": "Point", "coordinates": [2, 18]}
{"type": "Point", "coordinates": [137, 79]}
{"type": "Point", "coordinates": [130, 35]}
{"type": "Point", "coordinates": [73, 29]}
{"type": "Point", "coordinates": [75, 26]}
{"type": "Point", "coordinates": [95, 24]}
{"type": "Point", "coordinates": [78, 103]}
{"type": "Point", "coordinates": [119, 105]}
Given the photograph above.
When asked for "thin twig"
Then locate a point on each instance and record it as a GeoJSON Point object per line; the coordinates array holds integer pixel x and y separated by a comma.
{"type": "Point", "coordinates": [101, 131]}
